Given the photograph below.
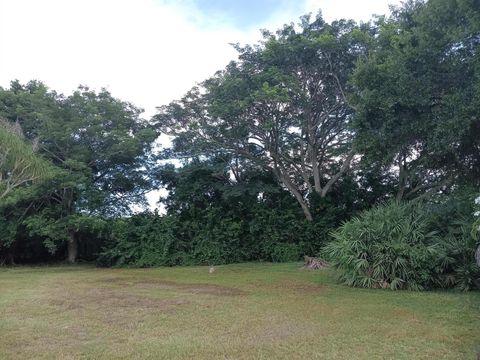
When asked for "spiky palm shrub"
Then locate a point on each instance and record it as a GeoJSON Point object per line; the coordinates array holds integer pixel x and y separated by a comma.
{"type": "Point", "coordinates": [457, 263]}
{"type": "Point", "coordinates": [389, 246]}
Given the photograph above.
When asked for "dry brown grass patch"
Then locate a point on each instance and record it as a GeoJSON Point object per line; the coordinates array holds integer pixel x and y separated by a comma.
{"type": "Point", "coordinates": [200, 288]}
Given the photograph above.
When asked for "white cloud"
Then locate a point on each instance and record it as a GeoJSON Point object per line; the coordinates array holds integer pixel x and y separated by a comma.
{"type": "Point", "coordinates": [141, 51]}
{"type": "Point", "coordinates": [145, 51]}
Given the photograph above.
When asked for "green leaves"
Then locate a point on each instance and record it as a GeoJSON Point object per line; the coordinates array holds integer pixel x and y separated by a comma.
{"type": "Point", "coordinates": [143, 240]}
{"type": "Point", "coordinates": [100, 140]}
{"type": "Point", "coordinates": [416, 92]}
{"type": "Point", "coordinates": [100, 144]}
{"type": "Point", "coordinates": [387, 246]}
{"type": "Point", "coordinates": [20, 165]}
{"type": "Point", "coordinates": [405, 246]}
{"type": "Point", "coordinates": [281, 107]}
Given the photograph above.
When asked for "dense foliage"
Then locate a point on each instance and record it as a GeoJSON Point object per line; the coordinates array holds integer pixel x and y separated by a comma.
{"type": "Point", "coordinates": [417, 96]}
{"type": "Point", "coordinates": [216, 220]}
{"type": "Point", "coordinates": [388, 246]}
{"type": "Point", "coordinates": [101, 145]}
{"type": "Point", "coordinates": [407, 245]}
{"type": "Point", "coordinates": [143, 240]}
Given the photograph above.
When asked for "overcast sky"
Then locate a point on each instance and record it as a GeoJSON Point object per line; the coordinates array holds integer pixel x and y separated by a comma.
{"type": "Point", "coordinates": [148, 52]}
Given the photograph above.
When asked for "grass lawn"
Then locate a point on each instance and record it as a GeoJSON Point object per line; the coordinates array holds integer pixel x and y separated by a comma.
{"type": "Point", "coordinates": [246, 311]}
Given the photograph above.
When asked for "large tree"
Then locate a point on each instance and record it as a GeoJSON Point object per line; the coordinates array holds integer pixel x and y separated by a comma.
{"type": "Point", "coordinates": [100, 142]}
{"type": "Point", "coordinates": [282, 106]}
{"type": "Point", "coordinates": [418, 95]}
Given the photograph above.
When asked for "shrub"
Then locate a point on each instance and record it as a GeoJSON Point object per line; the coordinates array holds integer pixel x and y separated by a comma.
{"type": "Point", "coordinates": [458, 268]}
{"type": "Point", "coordinates": [389, 246]}
{"type": "Point", "coordinates": [453, 220]}
{"type": "Point", "coordinates": [143, 240]}
{"type": "Point", "coordinates": [412, 246]}
{"type": "Point", "coordinates": [476, 229]}
{"type": "Point", "coordinates": [217, 241]}
{"type": "Point", "coordinates": [286, 252]}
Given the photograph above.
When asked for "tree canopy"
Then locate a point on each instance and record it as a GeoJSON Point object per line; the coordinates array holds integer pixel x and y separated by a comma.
{"type": "Point", "coordinates": [417, 96]}
{"type": "Point", "coordinates": [282, 106]}
{"type": "Point", "coordinates": [100, 143]}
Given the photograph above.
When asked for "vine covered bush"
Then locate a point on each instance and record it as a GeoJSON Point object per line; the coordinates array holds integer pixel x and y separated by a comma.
{"type": "Point", "coordinates": [147, 239]}
{"type": "Point", "coordinates": [143, 240]}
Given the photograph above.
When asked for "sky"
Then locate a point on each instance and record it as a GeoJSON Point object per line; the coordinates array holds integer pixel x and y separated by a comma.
{"type": "Point", "coordinates": [148, 52]}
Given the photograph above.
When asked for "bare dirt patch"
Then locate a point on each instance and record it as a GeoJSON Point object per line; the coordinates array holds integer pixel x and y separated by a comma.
{"type": "Point", "coordinates": [281, 332]}
{"type": "Point", "coordinates": [207, 289]}
{"type": "Point", "coordinates": [292, 287]}
{"type": "Point", "coordinates": [101, 297]}
{"type": "Point", "coordinates": [113, 300]}
{"type": "Point", "coordinates": [124, 309]}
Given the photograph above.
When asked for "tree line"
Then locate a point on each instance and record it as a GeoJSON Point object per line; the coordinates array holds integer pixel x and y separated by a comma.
{"type": "Point", "coordinates": [312, 126]}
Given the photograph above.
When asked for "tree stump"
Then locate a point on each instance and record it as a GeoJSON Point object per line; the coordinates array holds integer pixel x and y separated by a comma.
{"type": "Point", "coordinates": [313, 263]}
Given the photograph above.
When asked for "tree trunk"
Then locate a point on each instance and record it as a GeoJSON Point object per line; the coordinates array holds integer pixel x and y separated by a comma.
{"type": "Point", "coordinates": [316, 172]}
{"type": "Point", "coordinates": [402, 177]}
{"type": "Point", "coordinates": [477, 255]}
{"type": "Point", "coordinates": [11, 258]}
{"type": "Point", "coordinates": [294, 191]}
{"type": "Point", "coordinates": [299, 198]}
{"type": "Point", "coordinates": [306, 210]}
{"type": "Point", "coordinates": [345, 166]}
{"type": "Point", "coordinates": [72, 247]}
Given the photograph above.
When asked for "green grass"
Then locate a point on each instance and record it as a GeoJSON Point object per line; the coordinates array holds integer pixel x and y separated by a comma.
{"type": "Point", "coordinates": [246, 311]}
